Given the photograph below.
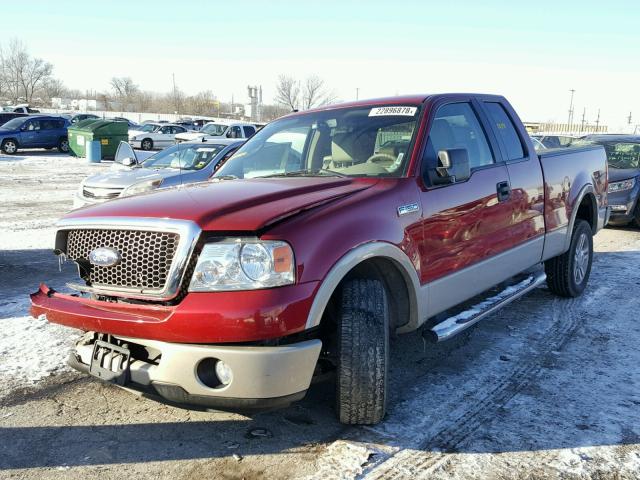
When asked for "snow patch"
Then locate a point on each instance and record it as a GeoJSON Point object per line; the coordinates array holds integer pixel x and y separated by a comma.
{"type": "Point", "coordinates": [32, 349]}
{"type": "Point", "coordinates": [342, 460]}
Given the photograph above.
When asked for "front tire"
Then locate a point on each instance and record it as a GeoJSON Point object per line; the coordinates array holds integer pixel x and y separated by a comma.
{"type": "Point", "coordinates": [363, 353]}
{"type": "Point", "coordinates": [63, 145]}
{"type": "Point", "coordinates": [146, 144]}
{"type": "Point", "coordinates": [636, 217]}
{"type": "Point", "coordinates": [9, 146]}
{"type": "Point", "coordinates": [568, 274]}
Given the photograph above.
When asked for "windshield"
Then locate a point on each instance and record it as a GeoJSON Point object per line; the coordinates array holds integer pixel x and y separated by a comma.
{"type": "Point", "coordinates": [358, 141]}
{"type": "Point", "coordinates": [184, 156]}
{"type": "Point", "coordinates": [622, 155]}
{"type": "Point", "coordinates": [214, 129]}
{"type": "Point", "coordinates": [149, 127]}
{"type": "Point", "coordinates": [14, 123]}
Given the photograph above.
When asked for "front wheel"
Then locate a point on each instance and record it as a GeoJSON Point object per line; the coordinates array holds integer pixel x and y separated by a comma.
{"type": "Point", "coordinates": [63, 145]}
{"type": "Point", "coordinates": [363, 353]}
{"type": "Point", "coordinates": [146, 144]}
{"type": "Point", "coordinates": [568, 274]}
{"type": "Point", "coordinates": [9, 147]}
{"type": "Point", "coordinates": [636, 217]}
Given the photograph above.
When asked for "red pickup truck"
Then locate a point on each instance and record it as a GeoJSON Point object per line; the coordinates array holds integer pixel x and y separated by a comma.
{"type": "Point", "coordinates": [325, 233]}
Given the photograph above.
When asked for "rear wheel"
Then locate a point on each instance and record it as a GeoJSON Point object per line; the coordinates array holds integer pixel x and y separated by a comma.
{"type": "Point", "coordinates": [363, 353]}
{"type": "Point", "coordinates": [568, 274]}
{"type": "Point", "coordinates": [146, 144]}
{"type": "Point", "coordinates": [63, 145]}
{"type": "Point", "coordinates": [9, 146]}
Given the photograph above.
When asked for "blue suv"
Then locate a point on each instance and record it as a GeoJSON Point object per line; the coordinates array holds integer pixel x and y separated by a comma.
{"type": "Point", "coordinates": [35, 131]}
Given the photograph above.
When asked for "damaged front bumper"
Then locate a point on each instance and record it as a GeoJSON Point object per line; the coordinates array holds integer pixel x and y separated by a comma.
{"type": "Point", "coordinates": [185, 374]}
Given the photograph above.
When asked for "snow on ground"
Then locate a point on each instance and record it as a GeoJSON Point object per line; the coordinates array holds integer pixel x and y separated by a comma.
{"type": "Point", "coordinates": [35, 190]}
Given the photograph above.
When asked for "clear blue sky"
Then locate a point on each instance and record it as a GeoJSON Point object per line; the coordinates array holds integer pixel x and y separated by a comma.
{"type": "Point", "coordinates": [533, 52]}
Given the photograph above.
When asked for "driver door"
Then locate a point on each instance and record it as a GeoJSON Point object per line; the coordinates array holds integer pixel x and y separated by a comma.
{"type": "Point", "coordinates": [466, 224]}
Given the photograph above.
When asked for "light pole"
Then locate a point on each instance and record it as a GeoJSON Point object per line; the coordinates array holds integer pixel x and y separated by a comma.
{"type": "Point", "coordinates": [570, 120]}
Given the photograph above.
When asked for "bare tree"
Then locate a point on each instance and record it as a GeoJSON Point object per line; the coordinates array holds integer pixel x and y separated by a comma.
{"type": "Point", "coordinates": [123, 87]}
{"type": "Point", "coordinates": [287, 92]}
{"type": "Point", "coordinates": [22, 75]}
{"type": "Point", "coordinates": [53, 88]}
{"type": "Point", "coordinates": [315, 93]}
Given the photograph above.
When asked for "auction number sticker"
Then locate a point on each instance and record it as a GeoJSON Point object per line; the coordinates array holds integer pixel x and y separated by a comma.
{"type": "Point", "coordinates": [385, 111]}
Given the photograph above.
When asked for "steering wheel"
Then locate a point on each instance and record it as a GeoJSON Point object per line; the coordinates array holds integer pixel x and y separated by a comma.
{"type": "Point", "coordinates": [383, 159]}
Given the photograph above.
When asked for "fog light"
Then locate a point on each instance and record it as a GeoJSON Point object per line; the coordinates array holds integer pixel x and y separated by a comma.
{"type": "Point", "coordinates": [224, 373]}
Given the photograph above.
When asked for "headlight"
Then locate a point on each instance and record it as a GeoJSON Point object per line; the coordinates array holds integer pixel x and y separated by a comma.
{"type": "Point", "coordinates": [622, 185]}
{"type": "Point", "coordinates": [141, 187]}
{"type": "Point", "coordinates": [238, 264]}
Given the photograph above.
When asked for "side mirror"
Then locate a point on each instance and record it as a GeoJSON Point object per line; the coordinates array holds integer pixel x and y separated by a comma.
{"type": "Point", "coordinates": [453, 167]}
{"type": "Point", "coordinates": [128, 162]}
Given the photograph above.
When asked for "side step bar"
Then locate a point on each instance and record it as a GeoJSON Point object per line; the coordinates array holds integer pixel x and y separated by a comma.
{"type": "Point", "coordinates": [463, 320]}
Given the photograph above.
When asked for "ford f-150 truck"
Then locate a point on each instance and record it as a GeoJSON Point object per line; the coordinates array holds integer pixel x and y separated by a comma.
{"type": "Point", "coordinates": [327, 232]}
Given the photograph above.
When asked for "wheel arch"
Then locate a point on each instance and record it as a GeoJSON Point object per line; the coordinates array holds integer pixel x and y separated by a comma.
{"type": "Point", "coordinates": [379, 260]}
{"type": "Point", "coordinates": [585, 208]}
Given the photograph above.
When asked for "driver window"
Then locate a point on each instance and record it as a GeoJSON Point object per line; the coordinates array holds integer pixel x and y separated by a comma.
{"type": "Point", "coordinates": [456, 126]}
{"type": "Point", "coordinates": [165, 130]}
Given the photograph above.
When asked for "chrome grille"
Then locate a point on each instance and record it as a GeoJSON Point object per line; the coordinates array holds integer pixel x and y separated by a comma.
{"type": "Point", "coordinates": [146, 257]}
{"type": "Point", "coordinates": [101, 193]}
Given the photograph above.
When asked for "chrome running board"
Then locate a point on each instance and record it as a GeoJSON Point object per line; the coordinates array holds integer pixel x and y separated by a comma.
{"type": "Point", "coordinates": [463, 320]}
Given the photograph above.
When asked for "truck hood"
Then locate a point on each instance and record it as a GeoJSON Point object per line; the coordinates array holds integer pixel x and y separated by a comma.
{"type": "Point", "coordinates": [617, 174]}
{"type": "Point", "coordinates": [126, 177]}
{"type": "Point", "coordinates": [231, 205]}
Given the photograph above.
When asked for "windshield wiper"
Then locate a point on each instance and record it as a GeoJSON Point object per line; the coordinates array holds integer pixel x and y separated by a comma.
{"type": "Point", "coordinates": [307, 172]}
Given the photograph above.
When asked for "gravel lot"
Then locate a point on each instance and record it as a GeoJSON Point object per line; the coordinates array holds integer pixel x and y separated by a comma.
{"type": "Point", "coordinates": [546, 388]}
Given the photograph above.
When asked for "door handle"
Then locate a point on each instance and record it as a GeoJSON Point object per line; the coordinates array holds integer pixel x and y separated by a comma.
{"type": "Point", "coordinates": [504, 191]}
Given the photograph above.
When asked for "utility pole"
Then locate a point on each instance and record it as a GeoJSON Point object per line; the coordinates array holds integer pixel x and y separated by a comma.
{"type": "Point", "coordinates": [598, 122]}
{"type": "Point", "coordinates": [570, 120]}
{"type": "Point", "coordinates": [584, 112]}
{"type": "Point", "coordinates": [175, 97]}
{"type": "Point", "coordinates": [629, 119]}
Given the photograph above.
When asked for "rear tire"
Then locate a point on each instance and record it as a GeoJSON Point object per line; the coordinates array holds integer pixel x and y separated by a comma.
{"type": "Point", "coordinates": [63, 145]}
{"type": "Point", "coordinates": [363, 353]}
{"type": "Point", "coordinates": [568, 274]}
{"type": "Point", "coordinates": [9, 146]}
{"type": "Point", "coordinates": [146, 144]}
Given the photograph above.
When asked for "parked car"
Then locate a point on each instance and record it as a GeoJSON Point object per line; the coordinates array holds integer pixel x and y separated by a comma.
{"type": "Point", "coordinates": [623, 157]}
{"type": "Point", "coordinates": [308, 249]}
{"type": "Point", "coordinates": [555, 141]}
{"type": "Point", "coordinates": [155, 135]}
{"type": "Point", "coordinates": [537, 144]}
{"type": "Point", "coordinates": [214, 130]}
{"type": "Point", "coordinates": [176, 165]}
{"type": "Point", "coordinates": [41, 131]}
{"type": "Point", "coordinates": [132, 125]}
{"type": "Point", "coordinates": [6, 116]}
{"type": "Point", "coordinates": [78, 117]}
{"type": "Point", "coordinates": [23, 108]}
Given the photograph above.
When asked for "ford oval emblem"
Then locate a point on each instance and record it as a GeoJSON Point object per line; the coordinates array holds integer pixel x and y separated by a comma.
{"type": "Point", "coordinates": [104, 257]}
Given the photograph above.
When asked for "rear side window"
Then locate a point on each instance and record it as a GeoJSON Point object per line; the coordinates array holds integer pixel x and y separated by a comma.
{"type": "Point", "coordinates": [248, 131]}
{"type": "Point", "coordinates": [456, 126]}
{"type": "Point", "coordinates": [506, 130]}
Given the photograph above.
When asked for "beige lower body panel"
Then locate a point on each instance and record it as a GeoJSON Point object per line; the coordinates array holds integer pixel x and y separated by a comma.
{"type": "Point", "coordinates": [258, 372]}
{"type": "Point", "coordinates": [458, 287]}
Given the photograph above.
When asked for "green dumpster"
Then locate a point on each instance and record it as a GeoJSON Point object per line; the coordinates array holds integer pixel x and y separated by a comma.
{"type": "Point", "coordinates": [108, 132]}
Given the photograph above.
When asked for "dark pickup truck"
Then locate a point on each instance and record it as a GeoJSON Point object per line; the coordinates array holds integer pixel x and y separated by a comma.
{"type": "Point", "coordinates": [326, 232]}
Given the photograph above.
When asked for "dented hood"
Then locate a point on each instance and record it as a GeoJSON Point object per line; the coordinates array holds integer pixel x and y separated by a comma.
{"type": "Point", "coordinates": [231, 205]}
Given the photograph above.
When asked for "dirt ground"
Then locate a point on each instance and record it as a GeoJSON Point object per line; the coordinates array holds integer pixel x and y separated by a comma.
{"type": "Point", "coordinates": [546, 388]}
